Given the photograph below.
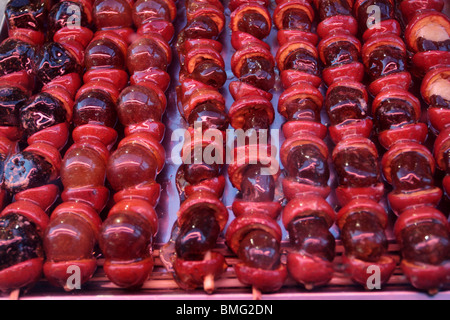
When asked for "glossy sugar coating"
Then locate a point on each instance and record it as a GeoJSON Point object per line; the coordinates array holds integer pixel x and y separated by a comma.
{"type": "Point", "coordinates": [209, 73]}
{"type": "Point", "coordinates": [26, 14]}
{"type": "Point", "coordinates": [257, 187]}
{"type": "Point", "coordinates": [199, 27]}
{"type": "Point", "coordinates": [426, 242]}
{"type": "Point", "coordinates": [145, 53]}
{"type": "Point", "coordinates": [345, 103]}
{"type": "Point", "coordinates": [254, 23]}
{"type": "Point", "coordinates": [258, 72]}
{"type": "Point", "coordinates": [410, 171]}
{"type": "Point", "coordinates": [112, 14]}
{"type": "Point", "coordinates": [126, 237]}
{"type": "Point", "coordinates": [103, 52]}
{"type": "Point", "coordinates": [129, 166]}
{"type": "Point", "coordinates": [95, 107]}
{"type": "Point", "coordinates": [296, 20]}
{"type": "Point", "coordinates": [197, 235]}
{"type": "Point", "coordinates": [357, 167]}
{"type": "Point", "coordinates": [138, 103]}
{"type": "Point", "coordinates": [363, 237]}
{"type": "Point", "coordinates": [386, 60]}
{"type": "Point", "coordinates": [53, 61]}
{"type": "Point", "coordinates": [41, 111]}
{"type": "Point", "coordinates": [68, 237]}
{"type": "Point", "coordinates": [11, 100]}
{"type": "Point", "coordinates": [83, 167]}
{"type": "Point", "coordinates": [210, 116]}
{"type": "Point", "coordinates": [331, 8]}
{"type": "Point", "coordinates": [259, 249]}
{"type": "Point", "coordinates": [309, 235]}
{"type": "Point", "coordinates": [394, 113]}
{"type": "Point", "coordinates": [26, 170]}
{"type": "Point", "coordinates": [302, 109]}
{"type": "Point", "coordinates": [340, 52]}
{"type": "Point", "coordinates": [145, 10]}
{"type": "Point", "coordinates": [19, 240]}
{"type": "Point", "coordinates": [302, 60]}
{"type": "Point", "coordinates": [194, 173]}
{"type": "Point", "coordinates": [65, 12]}
{"type": "Point", "coordinates": [307, 165]}
{"type": "Point", "coordinates": [386, 12]}
{"type": "Point", "coordinates": [16, 55]}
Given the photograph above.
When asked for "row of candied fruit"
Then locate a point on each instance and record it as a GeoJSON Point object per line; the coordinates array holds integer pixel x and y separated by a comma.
{"type": "Point", "coordinates": [83, 91]}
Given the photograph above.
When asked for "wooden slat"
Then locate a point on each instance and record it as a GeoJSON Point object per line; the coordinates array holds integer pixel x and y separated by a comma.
{"type": "Point", "coordinates": [161, 286]}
